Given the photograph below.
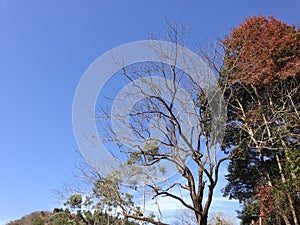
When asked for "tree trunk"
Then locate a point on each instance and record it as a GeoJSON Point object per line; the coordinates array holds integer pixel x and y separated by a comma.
{"type": "Point", "coordinates": [202, 219]}
{"type": "Point", "coordinates": [286, 219]}
{"type": "Point", "coordinates": [291, 204]}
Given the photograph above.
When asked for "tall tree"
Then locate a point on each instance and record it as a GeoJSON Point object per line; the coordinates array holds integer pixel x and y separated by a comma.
{"type": "Point", "coordinates": [262, 74]}
{"type": "Point", "coordinates": [174, 125]}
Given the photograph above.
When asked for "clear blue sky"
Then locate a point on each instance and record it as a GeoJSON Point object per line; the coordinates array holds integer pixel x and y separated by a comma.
{"type": "Point", "coordinates": [45, 47]}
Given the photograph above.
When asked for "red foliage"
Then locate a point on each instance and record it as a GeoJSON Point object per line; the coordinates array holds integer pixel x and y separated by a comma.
{"type": "Point", "coordinates": [262, 51]}
{"type": "Point", "coordinates": [266, 201]}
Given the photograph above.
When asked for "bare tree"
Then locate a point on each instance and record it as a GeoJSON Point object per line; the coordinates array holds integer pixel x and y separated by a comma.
{"type": "Point", "coordinates": [165, 125]}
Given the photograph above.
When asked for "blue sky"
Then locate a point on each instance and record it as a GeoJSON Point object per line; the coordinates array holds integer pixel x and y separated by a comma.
{"type": "Point", "coordinates": [45, 47]}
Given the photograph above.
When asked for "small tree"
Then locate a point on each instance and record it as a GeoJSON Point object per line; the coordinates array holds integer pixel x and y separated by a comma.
{"type": "Point", "coordinates": [74, 201]}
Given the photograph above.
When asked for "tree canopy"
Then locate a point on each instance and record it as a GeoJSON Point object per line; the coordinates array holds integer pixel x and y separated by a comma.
{"type": "Point", "coordinates": [262, 51]}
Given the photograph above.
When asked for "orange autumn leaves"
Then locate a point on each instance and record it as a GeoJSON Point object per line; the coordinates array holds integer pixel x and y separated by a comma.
{"type": "Point", "coordinates": [262, 51]}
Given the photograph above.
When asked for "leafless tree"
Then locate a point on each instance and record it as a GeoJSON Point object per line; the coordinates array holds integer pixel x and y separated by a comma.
{"type": "Point", "coordinates": [166, 125]}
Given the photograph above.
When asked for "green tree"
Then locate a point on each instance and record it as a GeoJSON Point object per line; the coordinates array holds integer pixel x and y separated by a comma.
{"type": "Point", "coordinates": [74, 201]}
{"type": "Point", "coordinates": [61, 218]}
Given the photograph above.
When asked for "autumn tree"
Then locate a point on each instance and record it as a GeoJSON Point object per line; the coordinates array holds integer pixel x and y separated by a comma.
{"type": "Point", "coordinates": [262, 76]}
